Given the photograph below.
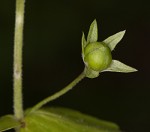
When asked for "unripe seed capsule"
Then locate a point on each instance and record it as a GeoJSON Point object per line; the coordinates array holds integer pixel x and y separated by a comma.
{"type": "Point", "coordinates": [97, 56]}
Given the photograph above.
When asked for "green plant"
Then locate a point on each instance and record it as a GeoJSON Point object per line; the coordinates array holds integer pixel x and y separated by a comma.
{"type": "Point", "coordinates": [97, 58]}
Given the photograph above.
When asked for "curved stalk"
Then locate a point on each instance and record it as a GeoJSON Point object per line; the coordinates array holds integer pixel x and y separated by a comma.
{"type": "Point", "coordinates": [59, 93]}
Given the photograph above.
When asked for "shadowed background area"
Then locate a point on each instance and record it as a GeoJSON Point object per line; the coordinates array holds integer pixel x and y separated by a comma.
{"type": "Point", "coordinates": [52, 58]}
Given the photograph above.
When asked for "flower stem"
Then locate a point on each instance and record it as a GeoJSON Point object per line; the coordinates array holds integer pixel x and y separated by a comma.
{"type": "Point", "coordinates": [17, 71]}
{"type": "Point", "coordinates": [59, 93]}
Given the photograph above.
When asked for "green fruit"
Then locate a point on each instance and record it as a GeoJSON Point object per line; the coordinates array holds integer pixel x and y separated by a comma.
{"type": "Point", "coordinates": [97, 56]}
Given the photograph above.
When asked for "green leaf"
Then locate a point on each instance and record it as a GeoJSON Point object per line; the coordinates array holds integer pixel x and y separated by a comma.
{"type": "Point", "coordinates": [8, 122]}
{"type": "Point", "coordinates": [113, 40]}
{"type": "Point", "coordinates": [93, 33]}
{"type": "Point", "coordinates": [117, 66]}
{"type": "Point", "coordinates": [65, 120]}
{"type": "Point", "coordinates": [84, 43]}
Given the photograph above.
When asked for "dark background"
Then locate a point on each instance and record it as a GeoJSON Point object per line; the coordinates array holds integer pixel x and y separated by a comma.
{"type": "Point", "coordinates": [52, 58]}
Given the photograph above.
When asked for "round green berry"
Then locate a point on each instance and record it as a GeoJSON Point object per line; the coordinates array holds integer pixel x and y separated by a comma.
{"type": "Point", "coordinates": [97, 56]}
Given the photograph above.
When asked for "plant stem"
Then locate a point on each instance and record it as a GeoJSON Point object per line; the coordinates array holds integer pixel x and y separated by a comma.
{"type": "Point", "coordinates": [17, 71]}
{"type": "Point", "coordinates": [59, 93]}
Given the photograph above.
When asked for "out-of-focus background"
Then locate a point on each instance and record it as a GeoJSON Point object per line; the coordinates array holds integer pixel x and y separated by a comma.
{"type": "Point", "coordinates": [52, 58]}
